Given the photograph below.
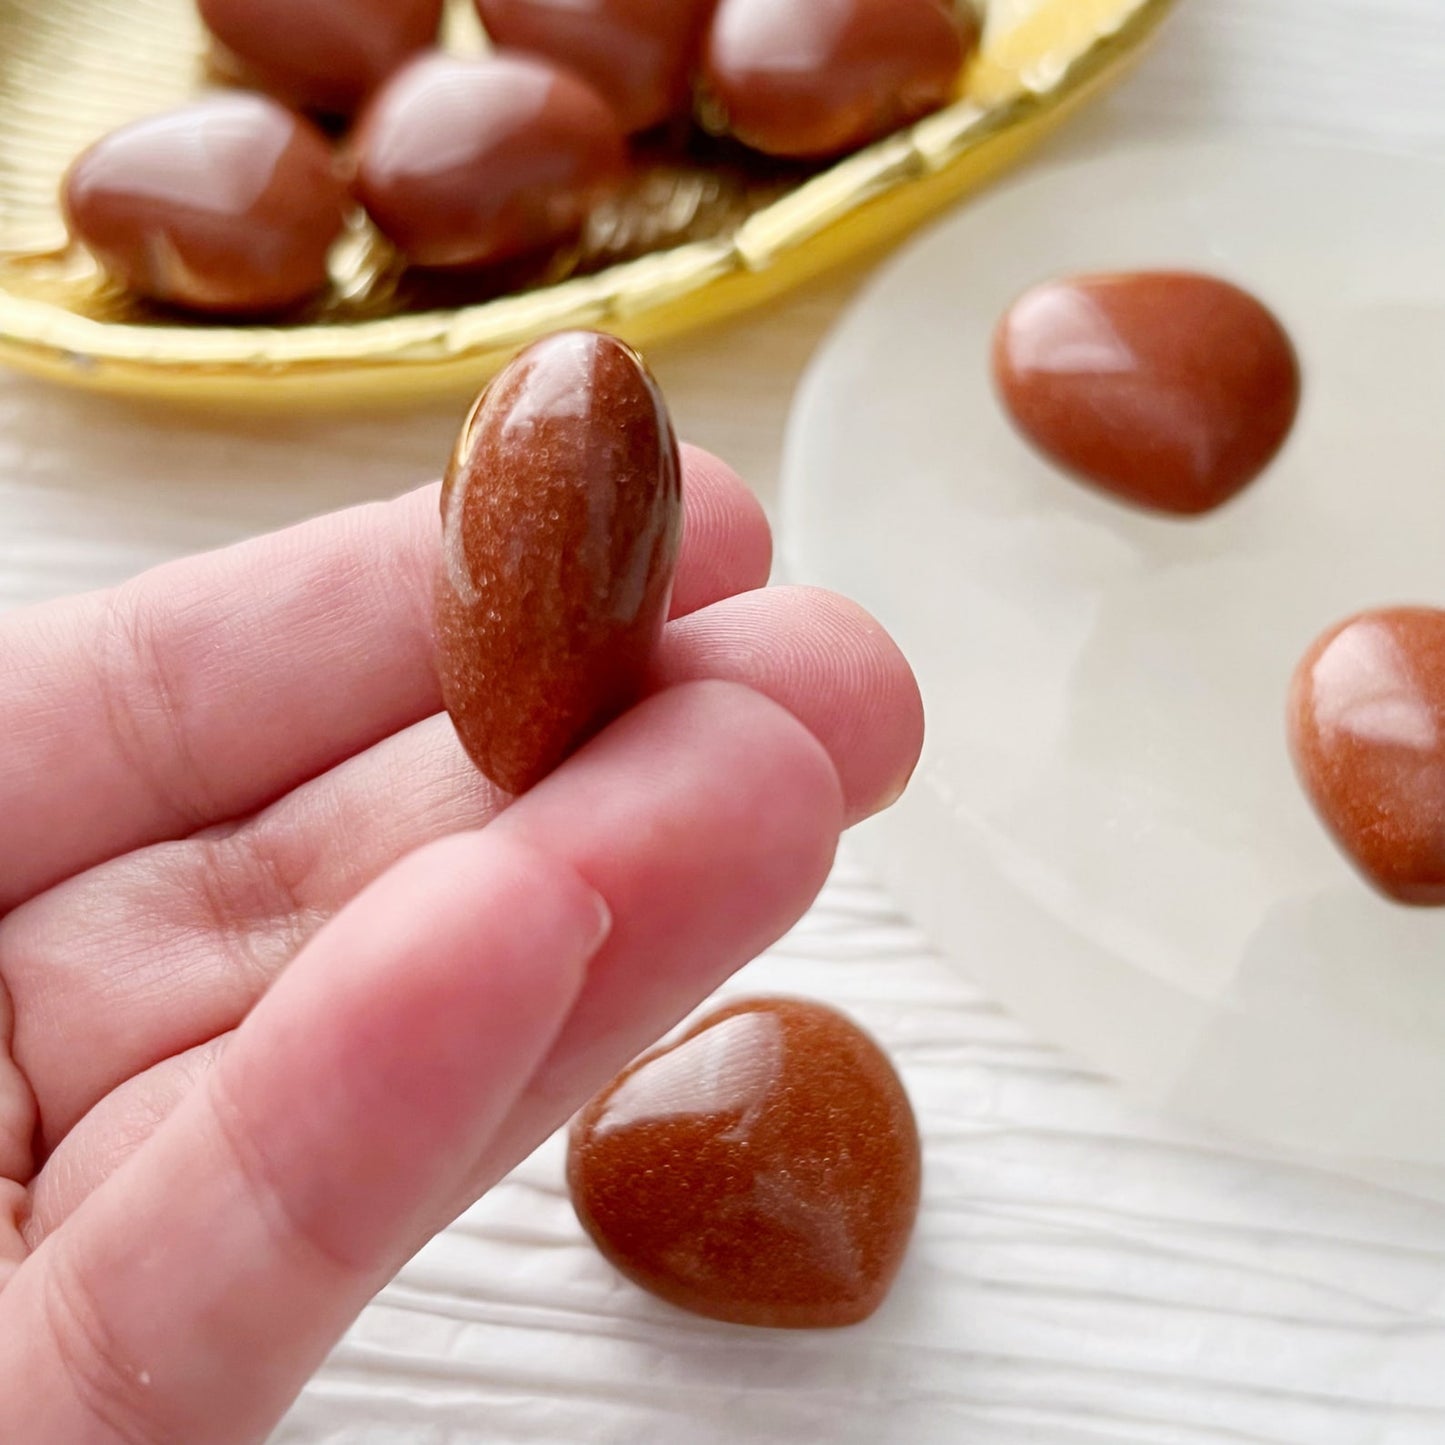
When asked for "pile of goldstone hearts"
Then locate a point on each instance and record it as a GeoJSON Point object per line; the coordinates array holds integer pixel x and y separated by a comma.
{"type": "Point", "coordinates": [464, 164]}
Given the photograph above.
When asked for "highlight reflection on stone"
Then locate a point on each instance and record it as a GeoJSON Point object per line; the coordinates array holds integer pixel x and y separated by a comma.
{"type": "Point", "coordinates": [1367, 732]}
{"type": "Point", "coordinates": [765, 1169]}
{"type": "Point", "coordinates": [1171, 390]}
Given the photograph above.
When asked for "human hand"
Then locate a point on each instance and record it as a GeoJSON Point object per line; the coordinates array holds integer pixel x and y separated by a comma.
{"type": "Point", "coordinates": [283, 985]}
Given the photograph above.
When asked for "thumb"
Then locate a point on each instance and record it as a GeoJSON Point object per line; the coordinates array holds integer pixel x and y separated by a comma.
{"type": "Point", "coordinates": [192, 1296]}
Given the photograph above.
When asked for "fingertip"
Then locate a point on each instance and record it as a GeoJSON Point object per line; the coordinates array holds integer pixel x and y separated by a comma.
{"type": "Point", "coordinates": [541, 880]}
{"type": "Point", "coordinates": [882, 733]}
{"type": "Point", "coordinates": [728, 544]}
{"type": "Point", "coordinates": [828, 662]}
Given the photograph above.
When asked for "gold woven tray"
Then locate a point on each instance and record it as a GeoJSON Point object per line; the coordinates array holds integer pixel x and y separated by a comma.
{"type": "Point", "coordinates": [695, 240]}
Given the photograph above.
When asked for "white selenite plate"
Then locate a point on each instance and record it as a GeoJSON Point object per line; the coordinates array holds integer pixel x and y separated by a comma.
{"type": "Point", "coordinates": [1106, 831]}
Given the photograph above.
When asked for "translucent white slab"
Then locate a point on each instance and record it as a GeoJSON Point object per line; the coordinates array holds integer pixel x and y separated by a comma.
{"type": "Point", "coordinates": [1106, 829]}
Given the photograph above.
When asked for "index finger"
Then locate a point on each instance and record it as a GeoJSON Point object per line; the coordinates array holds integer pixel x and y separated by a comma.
{"type": "Point", "coordinates": [208, 688]}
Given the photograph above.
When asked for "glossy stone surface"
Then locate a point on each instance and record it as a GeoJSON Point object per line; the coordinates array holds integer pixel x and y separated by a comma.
{"type": "Point", "coordinates": [561, 522]}
{"type": "Point", "coordinates": [1171, 390]}
{"type": "Point", "coordinates": [229, 206]}
{"type": "Point", "coordinates": [326, 55]}
{"type": "Point", "coordinates": [1367, 733]}
{"type": "Point", "coordinates": [468, 162]}
{"type": "Point", "coordinates": [816, 78]}
{"type": "Point", "coordinates": [765, 1169]}
{"type": "Point", "coordinates": [638, 54]}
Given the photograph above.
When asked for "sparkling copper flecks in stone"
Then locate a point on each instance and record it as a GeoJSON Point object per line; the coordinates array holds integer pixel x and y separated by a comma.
{"type": "Point", "coordinates": [765, 1169]}
{"type": "Point", "coordinates": [1367, 733]}
{"type": "Point", "coordinates": [561, 525]}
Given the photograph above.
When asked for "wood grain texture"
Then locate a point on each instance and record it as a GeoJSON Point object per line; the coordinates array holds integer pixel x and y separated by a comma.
{"type": "Point", "coordinates": [1084, 1274]}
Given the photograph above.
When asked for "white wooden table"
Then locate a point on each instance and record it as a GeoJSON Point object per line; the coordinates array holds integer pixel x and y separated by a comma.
{"type": "Point", "coordinates": [1082, 1273]}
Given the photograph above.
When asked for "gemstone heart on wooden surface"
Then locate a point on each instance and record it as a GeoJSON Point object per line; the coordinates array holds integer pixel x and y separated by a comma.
{"type": "Point", "coordinates": [1367, 731]}
{"type": "Point", "coordinates": [1170, 390]}
{"type": "Point", "coordinates": [763, 1170]}
{"type": "Point", "coordinates": [466, 162]}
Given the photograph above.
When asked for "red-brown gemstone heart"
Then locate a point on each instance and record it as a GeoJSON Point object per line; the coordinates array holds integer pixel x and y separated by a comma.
{"type": "Point", "coordinates": [1367, 731]}
{"type": "Point", "coordinates": [229, 205]}
{"type": "Point", "coordinates": [764, 1169]}
{"type": "Point", "coordinates": [1170, 390]}
{"type": "Point", "coordinates": [638, 54]}
{"type": "Point", "coordinates": [561, 523]}
{"type": "Point", "coordinates": [816, 78]}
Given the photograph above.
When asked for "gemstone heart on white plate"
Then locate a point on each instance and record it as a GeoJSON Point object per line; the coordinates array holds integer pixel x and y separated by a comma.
{"type": "Point", "coordinates": [1107, 828]}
